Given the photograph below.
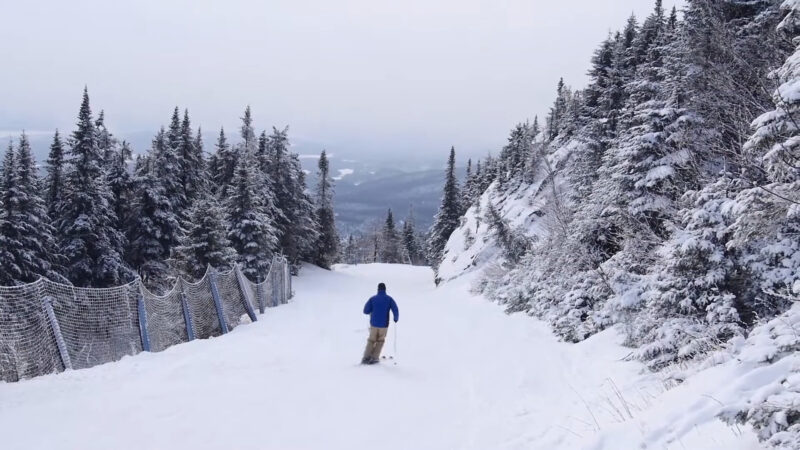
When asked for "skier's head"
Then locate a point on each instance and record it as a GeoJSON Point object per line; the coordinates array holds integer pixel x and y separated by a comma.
{"type": "Point", "coordinates": [381, 287]}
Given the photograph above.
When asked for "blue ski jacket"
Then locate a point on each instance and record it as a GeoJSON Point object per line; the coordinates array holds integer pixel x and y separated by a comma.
{"type": "Point", "coordinates": [378, 308]}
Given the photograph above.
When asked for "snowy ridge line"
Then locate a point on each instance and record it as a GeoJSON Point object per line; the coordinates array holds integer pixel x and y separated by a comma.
{"type": "Point", "coordinates": [48, 327]}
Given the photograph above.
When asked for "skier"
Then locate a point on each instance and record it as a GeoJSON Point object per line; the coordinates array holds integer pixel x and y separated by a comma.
{"type": "Point", "coordinates": [378, 308]}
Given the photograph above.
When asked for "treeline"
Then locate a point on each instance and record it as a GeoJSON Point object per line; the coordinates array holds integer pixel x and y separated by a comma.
{"type": "Point", "coordinates": [100, 216]}
{"type": "Point", "coordinates": [664, 194]}
{"type": "Point", "coordinates": [386, 242]}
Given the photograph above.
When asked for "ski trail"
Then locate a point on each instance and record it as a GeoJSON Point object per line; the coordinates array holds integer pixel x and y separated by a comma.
{"type": "Point", "coordinates": [467, 376]}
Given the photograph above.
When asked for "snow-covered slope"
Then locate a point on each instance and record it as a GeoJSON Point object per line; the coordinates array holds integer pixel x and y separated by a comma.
{"type": "Point", "coordinates": [468, 376]}
{"type": "Point", "coordinates": [526, 207]}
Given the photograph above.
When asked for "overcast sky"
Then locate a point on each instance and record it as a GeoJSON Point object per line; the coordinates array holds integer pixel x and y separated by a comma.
{"type": "Point", "coordinates": [353, 76]}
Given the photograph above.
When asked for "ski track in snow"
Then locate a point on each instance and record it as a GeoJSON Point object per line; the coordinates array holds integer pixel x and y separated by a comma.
{"type": "Point", "coordinates": [468, 376]}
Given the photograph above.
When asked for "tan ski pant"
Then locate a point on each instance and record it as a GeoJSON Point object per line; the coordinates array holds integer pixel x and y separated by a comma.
{"type": "Point", "coordinates": [377, 336]}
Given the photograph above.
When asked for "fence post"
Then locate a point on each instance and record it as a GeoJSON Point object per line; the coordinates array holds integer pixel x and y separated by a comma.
{"type": "Point", "coordinates": [273, 299]}
{"type": "Point", "coordinates": [248, 302]}
{"type": "Point", "coordinates": [212, 277]}
{"type": "Point", "coordinates": [143, 322]}
{"type": "Point", "coordinates": [47, 303]}
{"type": "Point", "coordinates": [187, 317]}
{"type": "Point", "coordinates": [260, 295]}
{"type": "Point", "coordinates": [286, 272]}
{"type": "Point", "coordinates": [289, 294]}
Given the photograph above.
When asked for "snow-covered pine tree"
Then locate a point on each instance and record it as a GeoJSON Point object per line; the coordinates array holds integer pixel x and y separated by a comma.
{"type": "Point", "coordinates": [54, 181]}
{"type": "Point", "coordinates": [449, 215]}
{"type": "Point", "coordinates": [263, 156]}
{"type": "Point", "coordinates": [704, 291]}
{"type": "Point", "coordinates": [646, 163]}
{"type": "Point", "coordinates": [307, 228]}
{"type": "Point", "coordinates": [26, 223]}
{"type": "Point", "coordinates": [90, 243]}
{"type": "Point", "coordinates": [170, 164]}
{"type": "Point", "coordinates": [200, 156]}
{"type": "Point", "coordinates": [248, 134]}
{"type": "Point", "coordinates": [410, 241]}
{"type": "Point", "coordinates": [327, 247]}
{"type": "Point", "coordinates": [280, 174]}
{"type": "Point", "coordinates": [206, 239]}
{"type": "Point", "coordinates": [121, 184]}
{"type": "Point", "coordinates": [518, 149]}
{"type": "Point", "coordinates": [472, 190]}
{"type": "Point", "coordinates": [258, 152]}
{"type": "Point", "coordinates": [469, 187]}
{"type": "Point", "coordinates": [297, 229]}
{"type": "Point", "coordinates": [222, 164]}
{"type": "Point", "coordinates": [192, 163]}
{"type": "Point", "coordinates": [486, 175]}
{"type": "Point", "coordinates": [612, 96]}
{"type": "Point", "coordinates": [251, 233]}
{"type": "Point", "coordinates": [692, 303]}
{"type": "Point", "coordinates": [558, 110]}
{"type": "Point", "coordinates": [390, 251]}
{"type": "Point", "coordinates": [533, 158]}
{"type": "Point", "coordinates": [154, 229]}
{"type": "Point", "coordinates": [767, 215]}
{"type": "Point", "coordinates": [105, 140]}
{"type": "Point", "coordinates": [729, 47]}
{"type": "Point", "coordinates": [10, 272]}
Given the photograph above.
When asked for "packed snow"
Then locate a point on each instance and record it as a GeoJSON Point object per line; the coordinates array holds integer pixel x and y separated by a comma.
{"type": "Point", "coordinates": [467, 376]}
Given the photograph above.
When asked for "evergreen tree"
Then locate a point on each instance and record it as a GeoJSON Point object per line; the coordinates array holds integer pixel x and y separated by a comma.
{"type": "Point", "coordinates": [281, 177]}
{"type": "Point", "coordinates": [248, 134]}
{"type": "Point", "coordinates": [647, 163]}
{"type": "Point", "coordinates": [767, 216]}
{"type": "Point", "coordinates": [191, 161]}
{"type": "Point", "coordinates": [533, 157]}
{"type": "Point", "coordinates": [10, 271]}
{"type": "Point", "coordinates": [691, 299]}
{"type": "Point", "coordinates": [91, 245]}
{"type": "Point", "coordinates": [206, 240]}
{"type": "Point", "coordinates": [154, 230]}
{"type": "Point", "coordinates": [294, 209]}
{"type": "Point", "coordinates": [106, 141]}
{"type": "Point", "coordinates": [518, 150]}
{"type": "Point", "coordinates": [121, 185]}
{"type": "Point", "coordinates": [173, 133]}
{"type": "Point", "coordinates": [390, 251]}
{"type": "Point", "coordinates": [263, 155]}
{"type": "Point", "coordinates": [558, 110]}
{"type": "Point", "coordinates": [251, 232]}
{"type": "Point", "coordinates": [328, 243]}
{"type": "Point", "coordinates": [207, 181]}
{"type": "Point", "coordinates": [612, 96]}
{"type": "Point", "coordinates": [169, 164]}
{"type": "Point", "coordinates": [448, 217]}
{"type": "Point", "coordinates": [223, 164]}
{"type": "Point", "coordinates": [306, 229]}
{"type": "Point", "coordinates": [27, 221]}
{"type": "Point", "coordinates": [410, 241]}
{"type": "Point", "coordinates": [54, 183]}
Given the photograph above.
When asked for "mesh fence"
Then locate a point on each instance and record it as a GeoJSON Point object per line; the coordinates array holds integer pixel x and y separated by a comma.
{"type": "Point", "coordinates": [165, 323]}
{"type": "Point", "coordinates": [232, 298]}
{"type": "Point", "coordinates": [47, 327]}
{"type": "Point", "coordinates": [27, 343]}
{"type": "Point", "coordinates": [97, 325]}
